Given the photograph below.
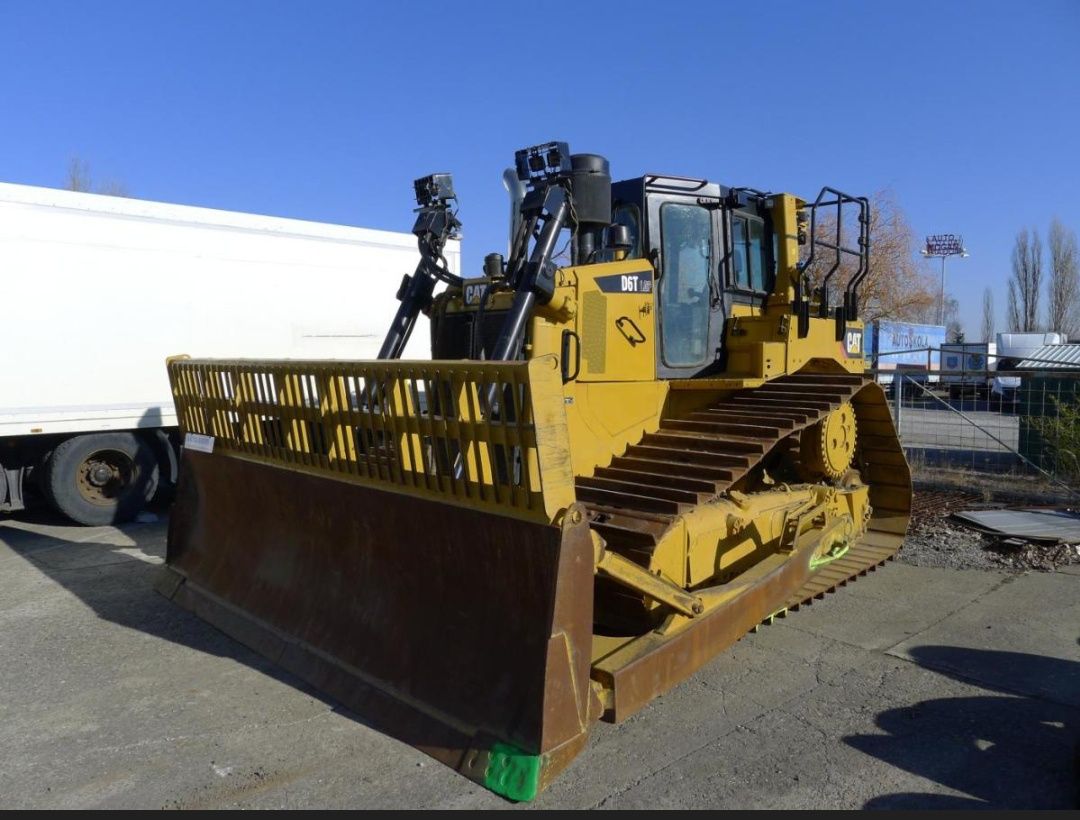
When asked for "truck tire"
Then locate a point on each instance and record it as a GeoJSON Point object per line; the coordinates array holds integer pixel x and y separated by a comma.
{"type": "Point", "coordinates": [102, 478]}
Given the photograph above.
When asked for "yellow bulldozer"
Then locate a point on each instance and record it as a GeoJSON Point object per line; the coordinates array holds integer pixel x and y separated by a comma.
{"type": "Point", "coordinates": [610, 470]}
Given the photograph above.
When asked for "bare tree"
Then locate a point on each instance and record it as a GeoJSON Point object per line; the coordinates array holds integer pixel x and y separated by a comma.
{"type": "Point", "coordinates": [113, 187]}
{"type": "Point", "coordinates": [1064, 290]}
{"type": "Point", "coordinates": [78, 176]}
{"type": "Point", "coordinates": [1025, 286]}
{"type": "Point", "coordinates": [899, 285]}
{"type": "Point", "coordinates": [954, 328]}
{"type": "Point", "coordinates": [988, 315]}
{"type": "Point", "coordinates": [79, 179]}
{"type": "Point", "coordinates": [1013, 317]}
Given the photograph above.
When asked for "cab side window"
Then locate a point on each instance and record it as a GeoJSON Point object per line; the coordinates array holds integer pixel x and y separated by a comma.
{"type": "Point", "coordinates": [686, 248]}
{"type": "Point", "coordinates": [740, 271]}
{"type": "Point", "coordinates": [749, 264]}
{"type": "Point", "coordinates": [756, 254]}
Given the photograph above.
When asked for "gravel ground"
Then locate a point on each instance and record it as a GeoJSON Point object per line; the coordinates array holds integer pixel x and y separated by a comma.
{"type": "Point", "coordinates": [936, 541]}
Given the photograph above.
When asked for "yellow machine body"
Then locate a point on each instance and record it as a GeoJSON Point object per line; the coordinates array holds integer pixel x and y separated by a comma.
{"type": "Point", "coordinates": [490, 586]}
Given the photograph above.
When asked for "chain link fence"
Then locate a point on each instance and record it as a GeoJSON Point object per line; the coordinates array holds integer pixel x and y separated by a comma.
{"type": "Point", "coordinates": [998, 426]}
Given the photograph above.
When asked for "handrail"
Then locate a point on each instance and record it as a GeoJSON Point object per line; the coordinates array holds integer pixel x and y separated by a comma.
{"type": "Point", "coordinates": [413, 427]}
{"type": "Point", "coordinates": [862, 252]}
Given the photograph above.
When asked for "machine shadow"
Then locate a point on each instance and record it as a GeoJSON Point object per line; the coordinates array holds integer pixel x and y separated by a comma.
{"type": "Point", "coordinates": [113, 572]}
{"type": "Point", "coordinates": [1012, 751]}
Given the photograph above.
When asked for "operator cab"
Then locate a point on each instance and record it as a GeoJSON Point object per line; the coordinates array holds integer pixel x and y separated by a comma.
{"type": "Point", "coordinates": [711, 247]}
{"type": "Point", "coordinates": [713, 251]}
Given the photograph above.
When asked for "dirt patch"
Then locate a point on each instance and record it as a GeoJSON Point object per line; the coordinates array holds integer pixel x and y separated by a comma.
{"type": "Point", "coordinates": [1032, 556]}
{"type": "Point", "coordinates": [935, 541]}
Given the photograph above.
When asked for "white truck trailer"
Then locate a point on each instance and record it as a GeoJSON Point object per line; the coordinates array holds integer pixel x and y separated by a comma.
{"type": "Point", "coordinates": [99, 290]}
{"type": "Point", "coordinates": [1013, 348]}
{"type": "Point", "coordinates": [967, 368]}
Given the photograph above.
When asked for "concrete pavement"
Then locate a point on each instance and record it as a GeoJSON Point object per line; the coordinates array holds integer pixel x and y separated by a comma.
{"type": "Point", "coordinates": [941, 429]}
{"type": "Point", "coordinates": [914, 687]}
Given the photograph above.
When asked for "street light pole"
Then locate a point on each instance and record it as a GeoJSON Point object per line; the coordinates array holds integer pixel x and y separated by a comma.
{"type": "Point", "coordinates": [944, 245]}
{"type": "Point", "coordinates": [941, 302]}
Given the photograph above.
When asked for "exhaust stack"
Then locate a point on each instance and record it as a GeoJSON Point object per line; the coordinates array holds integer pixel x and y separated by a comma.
{"type": "Point", "coordinates": [516, 188]}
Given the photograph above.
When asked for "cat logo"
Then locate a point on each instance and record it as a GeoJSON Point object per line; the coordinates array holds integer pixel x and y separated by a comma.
{"type": "Point", "coordinates": [853, 343]}
{"type": "Point", "coordinates": [474, 292]}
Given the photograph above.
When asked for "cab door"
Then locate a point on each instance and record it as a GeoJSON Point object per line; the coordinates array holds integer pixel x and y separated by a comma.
{"type": "Point", "coordinates": [684, 233]}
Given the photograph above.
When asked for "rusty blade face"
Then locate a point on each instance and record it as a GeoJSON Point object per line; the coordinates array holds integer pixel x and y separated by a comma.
{"type": "Point", "coordinates": [465, 634]}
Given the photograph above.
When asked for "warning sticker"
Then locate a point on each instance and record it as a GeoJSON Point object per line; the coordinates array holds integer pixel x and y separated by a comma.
{"type": "Point", "coordinates": [198, 442]}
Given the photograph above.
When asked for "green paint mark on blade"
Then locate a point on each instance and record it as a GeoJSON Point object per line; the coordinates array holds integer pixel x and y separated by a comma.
{"type": "Point", "coordinates": [513, 773]}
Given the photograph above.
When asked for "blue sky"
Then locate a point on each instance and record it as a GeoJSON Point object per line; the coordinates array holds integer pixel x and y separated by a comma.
{"type": "Point", "coordinates": [968, 111]}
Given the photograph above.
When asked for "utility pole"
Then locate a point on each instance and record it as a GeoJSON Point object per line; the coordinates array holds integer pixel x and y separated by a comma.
{"type": "Point", "coordinates": [944, 245]}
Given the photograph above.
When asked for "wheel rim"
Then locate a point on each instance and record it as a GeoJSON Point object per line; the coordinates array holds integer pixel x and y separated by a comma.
{"type": "Point", "coordinates": [104, 476]}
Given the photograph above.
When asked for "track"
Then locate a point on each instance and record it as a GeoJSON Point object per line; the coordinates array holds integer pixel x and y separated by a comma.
{"type": "Point", "coordinates": [693, 459]}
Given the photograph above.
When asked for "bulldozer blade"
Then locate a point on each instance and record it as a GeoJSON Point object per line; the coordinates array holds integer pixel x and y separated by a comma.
{"type": "Point", "coordinates": [463, 633]}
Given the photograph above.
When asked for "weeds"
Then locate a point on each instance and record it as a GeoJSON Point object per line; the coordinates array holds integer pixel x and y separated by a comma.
{"type": "Point", "coordinates": [1061, 438]}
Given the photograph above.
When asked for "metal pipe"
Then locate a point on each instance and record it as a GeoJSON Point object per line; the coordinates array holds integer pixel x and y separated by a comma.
{"type": "Point", "coordinates": [941, 309]}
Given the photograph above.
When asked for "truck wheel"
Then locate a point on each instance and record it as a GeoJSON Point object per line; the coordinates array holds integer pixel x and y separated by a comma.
{"type": "Point", "coordinates": [104, 478]}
